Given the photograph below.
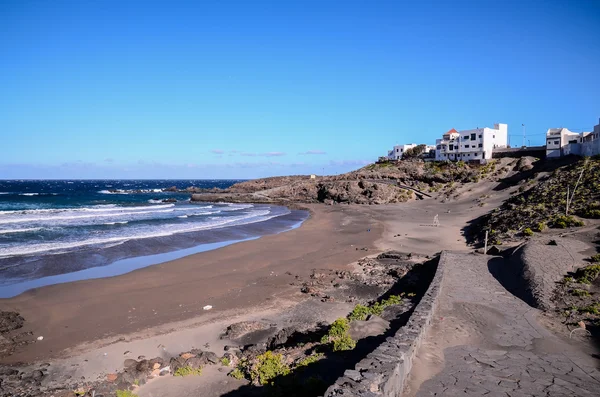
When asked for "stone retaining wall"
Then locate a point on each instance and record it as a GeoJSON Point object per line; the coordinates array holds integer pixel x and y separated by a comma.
{"type": "Point", "coordinates": [385, 370]}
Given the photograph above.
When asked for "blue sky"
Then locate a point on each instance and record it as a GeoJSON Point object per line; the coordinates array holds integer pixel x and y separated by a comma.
{"type": "Point", "coordinates": [226, 89]}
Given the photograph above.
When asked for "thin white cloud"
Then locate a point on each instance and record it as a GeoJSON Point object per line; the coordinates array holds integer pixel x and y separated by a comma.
{"type": "Point", "coordinates": [217, 151]}
{"type": "Point", "coordinates": [109, 160]}
{"type": "Point", "coordinates": [311, 152]}
{"type": "Point", "coordinates": [272, 154]}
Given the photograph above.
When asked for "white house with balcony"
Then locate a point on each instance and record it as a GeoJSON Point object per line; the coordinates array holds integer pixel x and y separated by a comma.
{"type": "Point", "coordinates": [471, 145]}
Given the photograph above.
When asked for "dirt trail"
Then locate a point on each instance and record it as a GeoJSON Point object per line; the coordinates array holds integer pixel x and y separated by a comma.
{"type": "Point", "coordinates": [485, 341]}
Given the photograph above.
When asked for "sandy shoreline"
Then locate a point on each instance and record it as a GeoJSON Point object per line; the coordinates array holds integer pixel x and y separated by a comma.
{"type": "Point", "coordinates": [237, 277]}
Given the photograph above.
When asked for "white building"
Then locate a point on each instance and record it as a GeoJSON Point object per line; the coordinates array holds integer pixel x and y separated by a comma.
{"type": "Point", "coordinates": [471, 145]}
{"type": "Point", "coordinates": [398, 151]}
{"type": "Point", "coordinates": [557, 139]}
{"type": "Point", "coordinates": [562, 142]}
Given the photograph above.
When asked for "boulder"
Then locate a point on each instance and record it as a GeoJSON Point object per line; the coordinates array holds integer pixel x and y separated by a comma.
{"type": "Point", "coordinates": [237, 330]}
{"type": "Point", "coordinates": [373, 326]}
{"type": "Point", "coordinates": [281, 337]}
{"type": "Point", "coordinates": [10, 321]}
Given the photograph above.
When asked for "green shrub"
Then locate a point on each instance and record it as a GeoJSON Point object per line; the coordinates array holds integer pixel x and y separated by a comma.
{"type": "Point", "coordinates": [345, 342]}
{"type": "Point", "coordinates": [595, 258]}
{"type": "Point", "coordinates": [237, 373]}
{"type": "Point", "coordinates": [588, 274]}
{"type": "Point", "coordinates": [580, 292]}
{"type": "Point", "coordinates": [187, 370]}
{"type": "Point", "coordinates": [594, 214]}
{"type": "Point", "coordinates": [225, 362]}
{"type": "Point", "coordinates": [376, 308]}
{"type": "Point", "coordinates": [339, 336]}
{"type": "Point", "coordinates": [591, 309]}
{"type": "Point", "coordinates": [268, 366]}
{"type": "Point", "coordinates": [563, 221]}
{"type": "Point", "coordinates": [313, 358]}
{"type": "Point", "coordinates": [126, 393]}
{"type": "Point", "coordinates": [360, 312]}
{"type": "Point", "coordinates": [528, 232]}
{"type": "Point", "coordinates": [540, 227]}
{"type": "Point", "coordinates": [337, 329]}
{"type": "Point", "coordinates": [568, 279]}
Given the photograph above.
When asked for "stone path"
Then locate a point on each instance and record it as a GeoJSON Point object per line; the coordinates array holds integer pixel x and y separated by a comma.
{"type": "Point", "coordinates": [485, 341]}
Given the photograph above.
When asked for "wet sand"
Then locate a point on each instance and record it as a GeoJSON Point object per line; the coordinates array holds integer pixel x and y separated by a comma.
{"type": "Point", "coordinates": [242, 276]}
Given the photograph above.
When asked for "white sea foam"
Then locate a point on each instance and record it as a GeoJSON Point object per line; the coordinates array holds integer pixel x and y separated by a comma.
{"type": "Point", "coordinates": [182, 216]}
{"type": "Point", "coordinates": [116, 223]}
{"type": "Point", "coordinates": [68, 217]}
{"type": "Point", "coordinates": [24, 230]}
{"type": "Point", "coordinates": [142, 233]}
{"type": "Point", "coordinates": [96, 208]}
{"type": "Point", "coordinates": [29, 194]}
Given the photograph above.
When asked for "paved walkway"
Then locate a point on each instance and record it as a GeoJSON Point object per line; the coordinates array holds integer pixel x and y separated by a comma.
{"type": "Point", "coordinates": [485, 341]}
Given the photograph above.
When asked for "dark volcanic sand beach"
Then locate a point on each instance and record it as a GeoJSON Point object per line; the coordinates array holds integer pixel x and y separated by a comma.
{"type": "Point", "coordinates": [239, 276]}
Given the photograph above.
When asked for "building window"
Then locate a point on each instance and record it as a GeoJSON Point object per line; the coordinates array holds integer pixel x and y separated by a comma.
{"type": "Point", "coordinates": [556, 142]}
{"type": "Point", "coordinates": [466, 137]}
{"type": "Point", "coordinates": [494, 136]}
{"type": "Point", "coordinates": [479, 136]}
{"type": "Point", "coordinates": [473, 137]}
{"type": "Point", "coordinates": [451, 147]}
{"type": "Point", "coordinates": [439, 147]}
{"type": "Point", "coordinates": [480, 145]}
{"type": "Point", "coordinates": [397, 150]}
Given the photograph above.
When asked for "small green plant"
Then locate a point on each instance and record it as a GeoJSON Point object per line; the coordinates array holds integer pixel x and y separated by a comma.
{"type": "Point", "coordinates": [595, 258]}
{"type": "Point", "coordinates": [313, 358]}
{"type": "Point", "coordinates": [344, 342]}
{"type": "Point", "coordinates": [339, 336]}
{"type": "Point", "coordinates": [591, 309]}
{"type": "Point", "coordinates": [268, 366]}
{"type": "Point", "coordinates": [540, 227]}
{"type": "Point", "coordinates": [187, 370]}
{"type": "Point", "coordinates": [126, 393]}
{"type": "Point", "coordinates": [225, 362]}
{"type": "Point", "coordinates": [568, 279]}
{"type": "Point", "coordinates": [360, 312]}
{"type": "Point", "coordinates": [337, 329]}
{"type": "Point", "coordinates": [588, 274]}
{"type": "Point", "coordinates": [377, 308]}
{"type": "Point", "coordinates": [580, 292]}
{"type": "Point", "coordinates": [528, 232]}
{"type": "Point", "coordinates": [594, 214]}
{"type": "Point", "coordinates": [237, 373]}
{"type": "Point", "coordinates": [564, 221]}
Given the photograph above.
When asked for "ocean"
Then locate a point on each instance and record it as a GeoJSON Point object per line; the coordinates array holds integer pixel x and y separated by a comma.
{"type": "Point", "coordinates": [54, 231]}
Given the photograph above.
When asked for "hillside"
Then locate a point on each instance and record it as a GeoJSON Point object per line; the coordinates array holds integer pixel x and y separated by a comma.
{"type": "Point", "coordinates": [381, 183]}
{"type": "Point", "coordinates": [541, 200]}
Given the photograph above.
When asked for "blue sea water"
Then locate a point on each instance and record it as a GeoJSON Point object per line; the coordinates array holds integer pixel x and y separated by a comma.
{"type": "Point", "coordinates": [52, 227]}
